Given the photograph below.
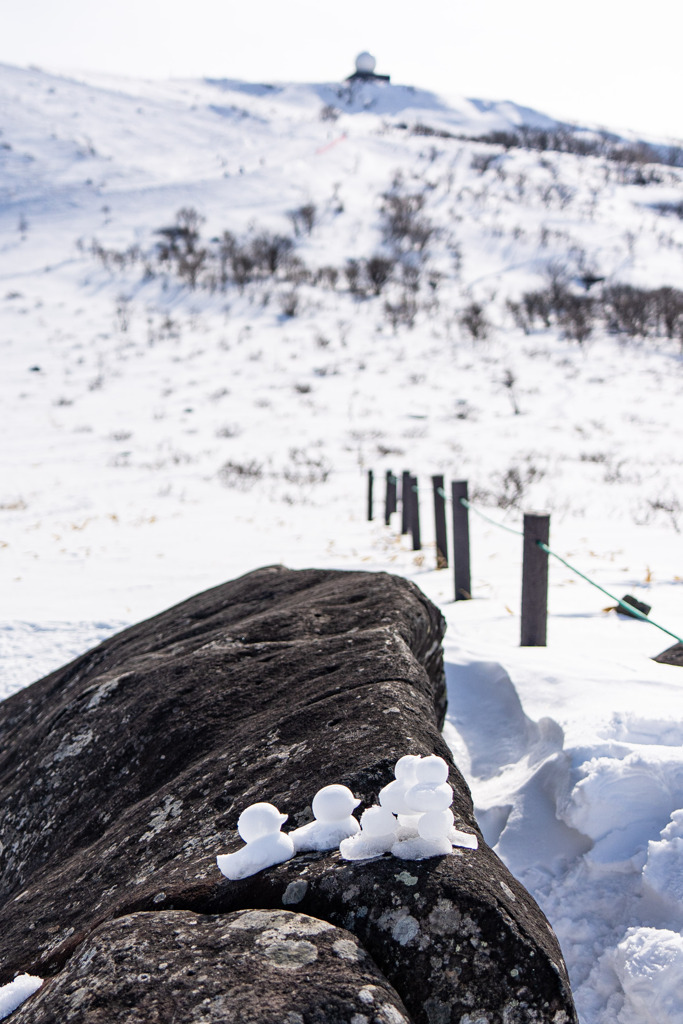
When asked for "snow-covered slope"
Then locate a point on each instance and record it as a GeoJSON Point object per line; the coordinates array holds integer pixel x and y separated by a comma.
{"type": "Point", "coordinates": [167, 428]}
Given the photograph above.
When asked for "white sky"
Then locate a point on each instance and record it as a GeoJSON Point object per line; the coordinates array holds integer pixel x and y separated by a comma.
{"type": "Point", "coordinates": [618, 64]}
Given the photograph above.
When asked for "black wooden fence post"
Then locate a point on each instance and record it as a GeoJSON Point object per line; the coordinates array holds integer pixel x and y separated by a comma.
{"type": "Point", "coordinates": [389, 497]}
{"type": "Point", "coordinates": [535, 581]}
{"type": "Point", "coordinates": [371, 484]}
{"type": "Point", "coordinates": [440, 523]}
{"type": "Point", "coordinates": [461, 541]}
{"type": "Point", "coordinates": [406, 505]}
{"type": "Point", "coordinates": [415, 513]}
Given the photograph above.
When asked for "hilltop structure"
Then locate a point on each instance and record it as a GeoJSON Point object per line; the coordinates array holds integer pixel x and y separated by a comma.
{"type": "Point", "coordinates": [365, 70]}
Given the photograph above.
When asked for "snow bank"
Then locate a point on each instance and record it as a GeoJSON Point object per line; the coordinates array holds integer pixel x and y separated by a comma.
{"type": "Point", "coordinates": [586, 809]}
{"type": "Point", "coordinates": [14, 994]}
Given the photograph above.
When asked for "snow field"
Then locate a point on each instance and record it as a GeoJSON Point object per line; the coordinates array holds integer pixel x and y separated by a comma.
{"type": "Point", "coordinates": [160, 441]}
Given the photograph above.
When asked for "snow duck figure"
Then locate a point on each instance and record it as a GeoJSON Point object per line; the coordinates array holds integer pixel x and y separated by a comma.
{"type": "Point", "coordinates": [259, 826]}
{"type": "Point", "coordinates": [332, 807]}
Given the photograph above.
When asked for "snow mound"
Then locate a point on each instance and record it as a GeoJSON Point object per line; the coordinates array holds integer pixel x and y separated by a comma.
{"type": "Point", "coordinates": [591, 824]}
{"type": "Point", "coordinates": [14, 994]}
{"type": "Point", "coordinates": [648, 965]}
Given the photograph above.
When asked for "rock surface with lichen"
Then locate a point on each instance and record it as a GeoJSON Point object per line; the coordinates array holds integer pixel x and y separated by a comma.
{"type": "Point", "coordinates": [123, 774]}
{"type": "Point", "coordinates": [249, 967]}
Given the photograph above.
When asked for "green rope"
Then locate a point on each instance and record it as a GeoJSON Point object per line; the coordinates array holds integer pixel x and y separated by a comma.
{"type": "Point", "coordinates": [624, 604]}
{"type": "Point", "coordinates": [468, 505]}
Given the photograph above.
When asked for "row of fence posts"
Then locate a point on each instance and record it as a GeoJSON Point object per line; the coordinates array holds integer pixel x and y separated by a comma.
{"type": "Point", "coordinates": [534, 616]}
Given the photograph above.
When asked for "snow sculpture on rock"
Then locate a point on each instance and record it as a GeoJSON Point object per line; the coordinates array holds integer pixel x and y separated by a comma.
{"type": "Point", "coordinates": [259, 826]}
{"type": "Point", "coordinates": [431, 790]}
{"type": "Point", "coordinates": [393, 796]}
{"type": "Point", "coordinates": [429, 799]}
{"type": "Point", "coordinates": [378, 834]}
{"type": "Point", "coordinates": [332, 807]}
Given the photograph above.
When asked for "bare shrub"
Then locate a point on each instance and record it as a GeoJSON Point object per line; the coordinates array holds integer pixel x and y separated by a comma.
{"type": "Point", "coordinates": [513, 485]}
{"type": "Point", "coordinates": [669, 311]}
{"type": "Point", "coordinates": [630, 309]}
{"type": "Point", "coordinates": [674, 209]}
{"type": "Point", "coordinates": [122, 313]}
{"type": "Point", "coordinates": [241, 475]}
{"type": "Point", "coordinates": [295, 270]}
{"type": "Point", "coordinates": [289, 302]}
{"type": "Point", "coordinates": [378, 270]}
{"type": "Point", "coordinates": [482, 161]}
{"type": "Point", "coordinates": [353, 273]}
{"type": "Point", "coordinates": [403, 225]}
{"type": "Point", "coordinates": [270, 251]}
{"type": "Point", "coordinates": [474, 322]}
{"type": "Point", "coordinates": [575, 315]}
{"type": "Point", "coordinates": [509, 382]}
{"type": "Point", "coordinates": [402, 312]}
{"type": "Point", "coordinates": [303, 219]}
{"type": "Point", "coordinates": [305, 469]}
{"type": "Point", "coordinates": [180, 245]}
{"type": "Point", "coordinates": [327, 276]}
{"type": "Point", "coordinates": [670, 506]}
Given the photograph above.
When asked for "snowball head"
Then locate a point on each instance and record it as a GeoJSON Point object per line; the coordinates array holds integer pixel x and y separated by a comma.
{"type": "Point", "coordinates": [365, 63]}
{"type": "Point", "coordinates": [259, 820]}
{"type": "Point", "coordinates": [432, 769]}
{"type": "Point", "coordinates": [378, 821]}
{"type": "Point", "coordinates": [333, 803]}
{"type": "Point", "coordinates": [405, 767]}
{"type": "Point", "coordinates": [435, 824]}
{"type": "Point", "coordinates": [426, 796]}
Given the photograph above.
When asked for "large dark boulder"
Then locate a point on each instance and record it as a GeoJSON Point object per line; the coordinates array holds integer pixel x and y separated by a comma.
{"type": "Point", "coordinates": [252, 967]}
{"type": "Point", "coordinates": [123, 775]}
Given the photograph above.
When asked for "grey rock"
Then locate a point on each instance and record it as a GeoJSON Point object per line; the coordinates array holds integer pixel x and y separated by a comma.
{"type": "Point", "coordinates": [251, 967]}
{"type": "Point", "coordinates": [123, 775]}
{"type": "Point", "coordinates": [671, 656]}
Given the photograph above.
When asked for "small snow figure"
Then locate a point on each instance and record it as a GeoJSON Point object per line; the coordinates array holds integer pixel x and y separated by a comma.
{"type": "Point", "coordinates": [431, 791]}
{"type": "Point", "coordinates": [393, 796]}
{"type": "Point", "coordinates": [429, 799]}
{"type": "Point", "coordinates": [377, 835]}
{"type": "Point", "coordinates": [259, 825]}
{"type": "Point", "coordinates": [332, 806]}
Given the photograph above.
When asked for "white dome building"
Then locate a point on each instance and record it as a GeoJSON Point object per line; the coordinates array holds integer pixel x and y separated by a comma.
{"type": "Point", "coordinates": [365, 69]}
{"type": "Point", "coordinates": [365, 63]}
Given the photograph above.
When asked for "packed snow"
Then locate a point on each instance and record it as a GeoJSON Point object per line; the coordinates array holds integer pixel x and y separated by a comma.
{"type": "Point", "coordinates": [165, 435]}
{"type": "Point", "coordinates": [16, 992]}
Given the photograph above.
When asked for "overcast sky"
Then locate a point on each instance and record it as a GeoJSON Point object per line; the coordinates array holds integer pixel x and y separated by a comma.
{"type": "Point", "coordinates": [618, 64]}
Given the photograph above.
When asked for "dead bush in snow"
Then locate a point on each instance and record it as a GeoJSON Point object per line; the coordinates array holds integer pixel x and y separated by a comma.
{"type": "Point", "coordinates": [512, 486]}
{"type": "Point", "coordinates": [303, 219]}
{"type": "Point", "coordinates": [289, 302]}
{"type": "Point", "coordinates": [378, 270]}
{"type": "Point", "coordinates": [474, 322]}
{"type": "Point", "coordinates": [305, 469]}
{"type": "Point", "coordinates": [241, 475]}
{"type": "Point", "coordinates": [402, 312]}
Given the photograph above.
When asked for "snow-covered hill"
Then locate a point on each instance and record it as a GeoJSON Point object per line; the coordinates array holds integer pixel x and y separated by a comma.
{"type": "Point", "coordinates": [370, 277]}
